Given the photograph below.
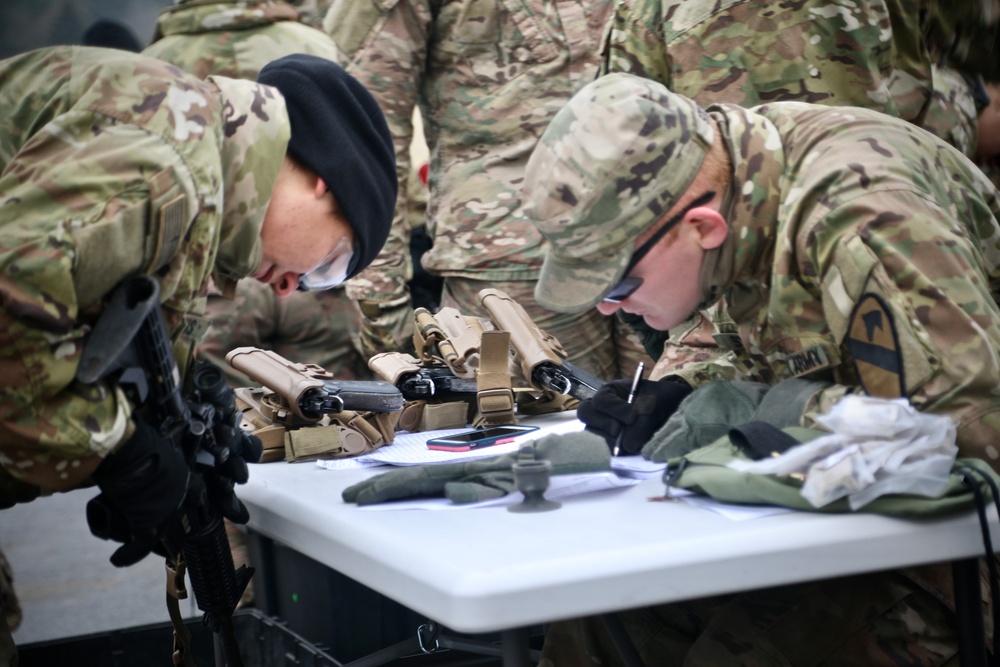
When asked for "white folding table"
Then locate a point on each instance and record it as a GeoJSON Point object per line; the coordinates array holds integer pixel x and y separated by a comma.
{"type": "Point", "coordinates": [487, 569]}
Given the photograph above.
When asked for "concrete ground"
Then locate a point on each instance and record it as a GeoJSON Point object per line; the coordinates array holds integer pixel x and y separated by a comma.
{"type": "Point", "coordinates": [66, 585]}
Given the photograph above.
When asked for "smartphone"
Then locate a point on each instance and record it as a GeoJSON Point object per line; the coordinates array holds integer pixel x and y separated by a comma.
{"type": "Point", "coordinates": [463, 442]}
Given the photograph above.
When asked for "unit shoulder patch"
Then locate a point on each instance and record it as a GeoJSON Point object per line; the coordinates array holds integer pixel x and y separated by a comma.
{"type": "Point", "coordinates": [874, 345]}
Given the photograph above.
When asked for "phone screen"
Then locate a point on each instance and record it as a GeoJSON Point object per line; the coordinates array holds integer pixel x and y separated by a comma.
{"type": "Point", "coordinates": [478, 438]}
{"type": "Point", "coordinates": [485, 434]}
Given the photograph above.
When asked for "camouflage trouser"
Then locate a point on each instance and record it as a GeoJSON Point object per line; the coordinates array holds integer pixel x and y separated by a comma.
{"type": "Point", "coordinates": [304, 327]}
{"type": "Point", "coordinates": [10, 614]}
{"type": "Point", "coordinates": [237, 538]}
{"type": "Point", "coordinates": [602, 345]}
{"type": "Point", "coordinates": [888, 618]}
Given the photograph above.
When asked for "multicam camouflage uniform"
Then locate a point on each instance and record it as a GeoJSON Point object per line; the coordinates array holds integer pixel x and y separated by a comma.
{"type": "Point", "coordinates": [856, 204]}
{"type": "Point", "coordinates": [488, 78]}
{"type": "Point", "coordinates": [827, 208]}
{"type": "Point", "coordinates": [751, 52]}
{"type": "Point", "coordinates": [114, 164]}
{"type": "Point", "coordinates": [311, 12]}
{"type": "Point", "coordinates": [235, 39]}
{"type": "Point", "coordinates": [10, 614]}
{"type": "Point", "coordinates": [876, 54]}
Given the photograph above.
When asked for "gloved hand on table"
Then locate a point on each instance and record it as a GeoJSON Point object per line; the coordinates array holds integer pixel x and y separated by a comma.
{"type": "Point", "coordinates": [609, 413]}
{"type": "Point", "coordinates": [481, 479]}
{"type": "Point", "coordinates": [144, 482]}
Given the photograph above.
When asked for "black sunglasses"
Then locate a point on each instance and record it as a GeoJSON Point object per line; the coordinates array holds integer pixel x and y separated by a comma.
{"type": "Point", "coordinates": [626, 287]}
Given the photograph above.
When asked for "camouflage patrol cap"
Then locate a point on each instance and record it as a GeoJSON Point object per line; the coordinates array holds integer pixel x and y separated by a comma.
{"type": "Point", "coordinates": [608, 166]}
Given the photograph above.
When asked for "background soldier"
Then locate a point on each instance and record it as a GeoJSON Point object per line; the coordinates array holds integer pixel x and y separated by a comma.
{"type": "Point", "coordinates": [488, 78]}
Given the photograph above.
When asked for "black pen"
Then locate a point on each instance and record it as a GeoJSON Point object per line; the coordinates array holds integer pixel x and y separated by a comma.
{"type": "Point", "coordinates": [631, 397]}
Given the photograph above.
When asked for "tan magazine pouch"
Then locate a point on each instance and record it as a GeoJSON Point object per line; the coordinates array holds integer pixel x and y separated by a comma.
{"type": "Point", "coordinates": [424, 416]}
{"type": "Point", "coordinates": [285, 437]}
{"type": "Point", "coordinates": [494, 397]}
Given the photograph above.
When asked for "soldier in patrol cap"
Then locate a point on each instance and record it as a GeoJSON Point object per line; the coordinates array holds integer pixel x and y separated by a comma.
{"type": "Point", "coordinates": [893, 56]}
{"type": "Point", "coordinates": [115, 164]}
{"type": "Point", "coordinates": [846, 246]}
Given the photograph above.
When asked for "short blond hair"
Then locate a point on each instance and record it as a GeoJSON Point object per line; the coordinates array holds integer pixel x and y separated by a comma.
{"type": "Point", "coordinates": [714, 175]}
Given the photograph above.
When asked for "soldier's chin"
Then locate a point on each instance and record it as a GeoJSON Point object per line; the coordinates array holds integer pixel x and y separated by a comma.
{"type": "Point", "coordinates": [658, 322]}
{"type": "Point", "coordinates": [655, 322]}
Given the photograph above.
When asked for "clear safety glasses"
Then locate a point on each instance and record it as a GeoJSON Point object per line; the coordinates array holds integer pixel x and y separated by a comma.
{"type": "Point", "coordinates": [626, 287]}
{"type": "Point", "coordinates": [332, 272]}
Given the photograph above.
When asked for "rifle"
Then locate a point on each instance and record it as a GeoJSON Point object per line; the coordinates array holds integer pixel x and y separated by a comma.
{"type": "Point", "coordinates": [541, 356]}
{"type": "Point", "coordinates": [309, 390]}
{"type": "Point", "coordinates": [129, 345]}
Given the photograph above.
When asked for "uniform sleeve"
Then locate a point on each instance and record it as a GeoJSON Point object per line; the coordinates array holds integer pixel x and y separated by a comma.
{"type": "Point", "coordinates": [384, 45]}
{"type": "Point", "coordinates": [74, 220]}
{"type": "Point", "coordinates": [634, 43]}
{"type": "Point", "coordinates": [950, 112]}
{"type": "Point", "coordinates": [907, 295]}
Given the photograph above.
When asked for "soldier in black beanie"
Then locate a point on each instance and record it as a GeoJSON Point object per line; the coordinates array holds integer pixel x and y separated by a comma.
{"type": "Point", "coordinates": [340, 136]}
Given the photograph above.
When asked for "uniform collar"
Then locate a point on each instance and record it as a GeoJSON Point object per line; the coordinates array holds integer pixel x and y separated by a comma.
{"type": "Point", "coordinates": [750, 205]}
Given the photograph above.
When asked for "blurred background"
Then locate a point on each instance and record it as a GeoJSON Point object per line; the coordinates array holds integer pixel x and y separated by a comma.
{"type": "Point", "coordinates": [30, 24]}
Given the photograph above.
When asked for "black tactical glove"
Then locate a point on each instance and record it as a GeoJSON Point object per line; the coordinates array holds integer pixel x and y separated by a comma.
{"type": "Point", "coordinates": [608, 413]}
{"type": "Point", "coordinates": [145, 482]}
{"type": "Point", "coordinates": [230, 447]}
{"type": "Point", "coordinates": [235, 448]}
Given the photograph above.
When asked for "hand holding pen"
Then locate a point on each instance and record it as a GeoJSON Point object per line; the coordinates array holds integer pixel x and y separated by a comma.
{"type": "Point", "coordinates": [631, 397]}
{"type": "Point", "coordinates": [628, 413]}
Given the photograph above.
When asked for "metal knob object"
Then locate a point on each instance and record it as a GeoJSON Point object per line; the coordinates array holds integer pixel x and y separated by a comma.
{"type": "Point", "coordinates": [531, 478]}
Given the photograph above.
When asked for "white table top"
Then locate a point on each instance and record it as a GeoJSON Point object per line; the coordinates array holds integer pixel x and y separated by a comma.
{"type": "Point", "coordinates": [488, 569]}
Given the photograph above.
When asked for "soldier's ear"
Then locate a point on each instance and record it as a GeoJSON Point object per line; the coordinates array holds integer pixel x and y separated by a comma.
{"type": "Point", "coordinates": [712, 228]}
{"type": "Point", "coordinates": [320, 188]}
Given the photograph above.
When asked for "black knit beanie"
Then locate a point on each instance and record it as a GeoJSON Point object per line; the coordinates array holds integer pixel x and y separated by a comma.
{"type": "Point", "coordinates": [339, 132]}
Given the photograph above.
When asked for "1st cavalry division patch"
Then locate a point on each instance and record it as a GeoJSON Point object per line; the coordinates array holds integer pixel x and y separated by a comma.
{"type": "Point", "coordinates": [874, 345]}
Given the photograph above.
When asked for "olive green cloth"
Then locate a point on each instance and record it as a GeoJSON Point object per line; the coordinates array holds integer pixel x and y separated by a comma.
{"type": "Point", "coordinates": [481, 479]}
{"type": "Point", "coordinates": [711, 410]}
{"type": "Point", "coordinates": [704, 471]}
